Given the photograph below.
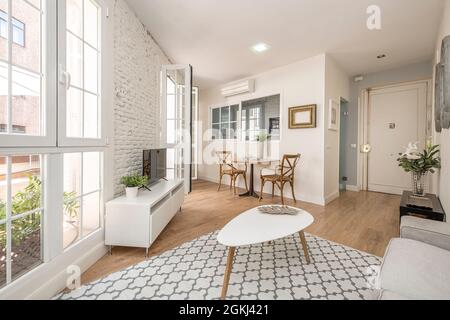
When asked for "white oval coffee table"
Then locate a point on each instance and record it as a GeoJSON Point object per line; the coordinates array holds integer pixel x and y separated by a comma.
{"type": "Point", "coordinates": [254, 227]}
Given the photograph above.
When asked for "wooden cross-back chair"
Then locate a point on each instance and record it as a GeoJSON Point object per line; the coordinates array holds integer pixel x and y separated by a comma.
{"type": "Point", "coordinates": [284, 173]}
{"type": "Point", "coordinates": [227, 167]}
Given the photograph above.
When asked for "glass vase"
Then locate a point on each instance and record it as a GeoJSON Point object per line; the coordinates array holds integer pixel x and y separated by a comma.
{"type": "Point", "coordinates": [419, 184]}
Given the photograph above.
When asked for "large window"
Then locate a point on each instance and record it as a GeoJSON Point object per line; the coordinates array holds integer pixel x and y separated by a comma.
{"type": "Point", "coordinates": [247, 120]}
{"type": "Point", "coordinates": [49, 202]}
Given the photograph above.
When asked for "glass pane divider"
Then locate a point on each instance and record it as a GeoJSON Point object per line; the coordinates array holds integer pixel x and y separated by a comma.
{"type": "Point", "coordinates": [9, 129]}
{"type": "Point", "coordinates": [83, 41]}
{"type": "Point", "coordinates": [24, 215]}
{"type": "Point", "coordinates": [14, 65]}
{"type": "Point", "coordinates": [80, 197]}
{"type": "Point", "coordinates": [83, 96]}
{"type": "Point", "coordinates": [34, 7]}
{"type": "Point", "coordinates": [83, 90]}
{"type": "Point", "coordinates": [8, 219]}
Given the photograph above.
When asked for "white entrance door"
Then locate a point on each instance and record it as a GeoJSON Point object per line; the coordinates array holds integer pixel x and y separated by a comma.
{"type": "Point", "coordinates": [397, 115]}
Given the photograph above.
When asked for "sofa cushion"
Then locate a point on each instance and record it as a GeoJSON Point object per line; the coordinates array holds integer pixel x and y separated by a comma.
{"type": "Point", "coordinates": [432, 232]}
{"type": "Point", "coordinates": [416, 270]}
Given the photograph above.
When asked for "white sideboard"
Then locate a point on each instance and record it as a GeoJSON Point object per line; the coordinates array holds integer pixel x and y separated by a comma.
{"type": "Point", "coordinates": [138, 222]}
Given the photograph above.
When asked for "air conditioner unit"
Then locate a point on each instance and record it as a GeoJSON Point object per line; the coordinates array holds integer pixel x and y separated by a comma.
{"type": "Point", "coordinates": [247, 86]}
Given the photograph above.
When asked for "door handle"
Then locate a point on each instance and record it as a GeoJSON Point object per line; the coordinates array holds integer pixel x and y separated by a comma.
{"type": "Point", "coordinates": [366, 148]}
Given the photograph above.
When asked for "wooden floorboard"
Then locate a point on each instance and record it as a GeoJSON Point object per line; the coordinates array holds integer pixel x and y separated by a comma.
{"type": "Point", "coordinates": [365, 221]}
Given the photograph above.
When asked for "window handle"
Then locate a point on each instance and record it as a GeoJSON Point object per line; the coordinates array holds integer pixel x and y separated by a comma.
{"type": "Point", "coordinates": [65, 78]}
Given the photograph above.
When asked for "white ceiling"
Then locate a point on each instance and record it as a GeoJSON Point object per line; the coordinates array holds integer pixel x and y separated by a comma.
{"type": "Point", "coordinates": [214, 36]}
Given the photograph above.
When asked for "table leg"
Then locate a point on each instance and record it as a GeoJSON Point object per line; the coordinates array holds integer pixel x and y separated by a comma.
{"type": "Point", "coordinates": [305, 246]}
{"type": "Point", "coordinates": [251, 191]}
{"type": "Point", "coordinates": [228, 270]}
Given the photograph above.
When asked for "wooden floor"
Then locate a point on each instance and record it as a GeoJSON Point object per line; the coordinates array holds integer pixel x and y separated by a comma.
{"type": "Point", "coordinates": [362, 220]}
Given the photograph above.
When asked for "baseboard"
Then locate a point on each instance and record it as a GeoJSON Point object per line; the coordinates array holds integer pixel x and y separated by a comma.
{"type": "Point", "coordinates": [332, 197]}
{"type": "Point", "coordinates": [352, 188]}
{"type": "Point", "coordinates": [309, 199]}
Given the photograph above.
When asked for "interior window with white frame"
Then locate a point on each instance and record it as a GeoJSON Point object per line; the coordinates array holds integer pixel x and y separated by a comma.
{"type": "Point", "coordinates": [224, 122]}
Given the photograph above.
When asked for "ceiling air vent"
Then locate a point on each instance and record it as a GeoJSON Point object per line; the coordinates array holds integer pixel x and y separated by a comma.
{"type": "Point", "coordinates": [247, 86]}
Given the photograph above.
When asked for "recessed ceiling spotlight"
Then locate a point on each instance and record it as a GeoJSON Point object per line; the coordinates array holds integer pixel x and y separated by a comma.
{"type": "Point", "coordinates": [381, 56]}
{"type": "Point", "coordinates": [260, 48]}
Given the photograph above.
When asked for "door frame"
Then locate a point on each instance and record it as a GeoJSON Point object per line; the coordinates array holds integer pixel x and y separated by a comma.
{"type": "Point", "coordinates": [363, 126]}
{"type": "Point", "coordinates": [187, 143]}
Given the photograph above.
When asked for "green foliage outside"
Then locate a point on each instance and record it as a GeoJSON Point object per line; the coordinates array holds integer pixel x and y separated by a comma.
{"type": "Point", "coordinates": [134, 181]}
{"type": "Point", "coordinates": [28, 200]}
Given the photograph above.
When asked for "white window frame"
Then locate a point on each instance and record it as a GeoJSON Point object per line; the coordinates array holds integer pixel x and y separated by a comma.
{"type": "Point", "coordinates": [238, 122]}
{"type": "Point", "coordinates": [50, 147]}
{"type": "Point", "coordinates": [48, 79]}
{"type": "Point", "coordinates": [64, 81]}
{"type": "Point", "coordinates": [185, 146]}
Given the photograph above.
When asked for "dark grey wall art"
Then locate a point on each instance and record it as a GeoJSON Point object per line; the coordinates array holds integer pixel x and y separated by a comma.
{"type": "Point", "coordinates": [445, 79]}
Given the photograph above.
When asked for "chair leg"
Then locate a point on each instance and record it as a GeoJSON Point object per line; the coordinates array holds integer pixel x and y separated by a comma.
{"type": "Point", "coordinates": [234, 184]}
{"type": "Point", "coordinates": [245, 180]}
{"type": "Point", "coordinates": [282, 193]}
{"type": "Point", "coordinates": [293, 191]}
{"type": "Point", "coordinates": [231, 182]}
{"type": "Point", "coordinates": [263, 182]}
{"type": "Point", "coordinates": [220, 183]}
{"type": "Point", "coordinates": [273, 190]}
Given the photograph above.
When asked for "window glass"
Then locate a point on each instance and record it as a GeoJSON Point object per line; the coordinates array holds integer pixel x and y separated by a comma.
{"type": "Point", "coordinates": [21, 221]}
{"type": "Point", "coordinates": [81, 196]}
{"type": "Point", "coordinates": [82, 59]}
{"type": "Point", "coordinates": [26, 244]}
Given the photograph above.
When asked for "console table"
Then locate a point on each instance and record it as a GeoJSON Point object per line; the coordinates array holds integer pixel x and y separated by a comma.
{"type": "Point", "coordinates": [433, 211]}
{"type": "Point", "coordinates": [138, 222]}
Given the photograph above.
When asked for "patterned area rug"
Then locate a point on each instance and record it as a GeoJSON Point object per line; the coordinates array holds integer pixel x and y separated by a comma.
{"type": "Point", "coordinates": [277, 271]}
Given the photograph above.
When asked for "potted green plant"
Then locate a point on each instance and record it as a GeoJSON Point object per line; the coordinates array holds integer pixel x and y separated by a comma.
{"type": "Point", "coordinates": [420, 164]}
{"type": "Point", "coordinates": [132, 184]}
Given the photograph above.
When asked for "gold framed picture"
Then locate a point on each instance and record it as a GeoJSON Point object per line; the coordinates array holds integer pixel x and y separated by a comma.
{"type": "Point", "coordinates": [303, 117]}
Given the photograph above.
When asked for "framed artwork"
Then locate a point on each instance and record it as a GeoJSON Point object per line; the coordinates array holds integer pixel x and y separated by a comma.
{"type": "Point", "coordinates": [274, 125]}
{"type": "Point", "coordinates": [333, 116]}
{"type": "Point", "coordinates": [303, 117]}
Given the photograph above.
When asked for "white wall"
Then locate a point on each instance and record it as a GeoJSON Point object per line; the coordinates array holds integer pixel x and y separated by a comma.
{"type": "Point", "coordinates": [138, 61]}
{"type": "Point", "coordinates": [444, 137]}
{"type": "Point", "coordinates": [301, 83]}
{"type": "Point", "coordinates": [337, 86]}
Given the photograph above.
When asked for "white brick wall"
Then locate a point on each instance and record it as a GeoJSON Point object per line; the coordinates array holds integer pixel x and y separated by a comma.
{"type": "Point", "coordinates": [138, 61]}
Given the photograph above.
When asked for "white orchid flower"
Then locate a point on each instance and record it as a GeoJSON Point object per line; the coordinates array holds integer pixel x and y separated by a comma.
{"type": "Point", "coordinates": [412, 151]}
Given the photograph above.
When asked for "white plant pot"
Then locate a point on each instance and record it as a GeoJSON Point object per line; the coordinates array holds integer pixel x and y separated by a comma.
{"type": "Point", "coordinates": [132, 193]}
{"type": "Point", "coordinates": [260, 150]}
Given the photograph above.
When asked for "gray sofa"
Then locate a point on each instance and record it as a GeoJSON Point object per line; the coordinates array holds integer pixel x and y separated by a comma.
{"type": "Point", "coordinates": [417, 265]}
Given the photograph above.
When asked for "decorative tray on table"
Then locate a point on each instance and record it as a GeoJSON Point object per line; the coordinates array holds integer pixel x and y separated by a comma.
{"type": "Point", "coordinates": [278, 210]}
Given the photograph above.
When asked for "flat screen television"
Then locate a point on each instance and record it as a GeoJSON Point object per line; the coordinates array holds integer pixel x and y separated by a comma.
{"type": "Point", "coordinates": [155, 165]}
